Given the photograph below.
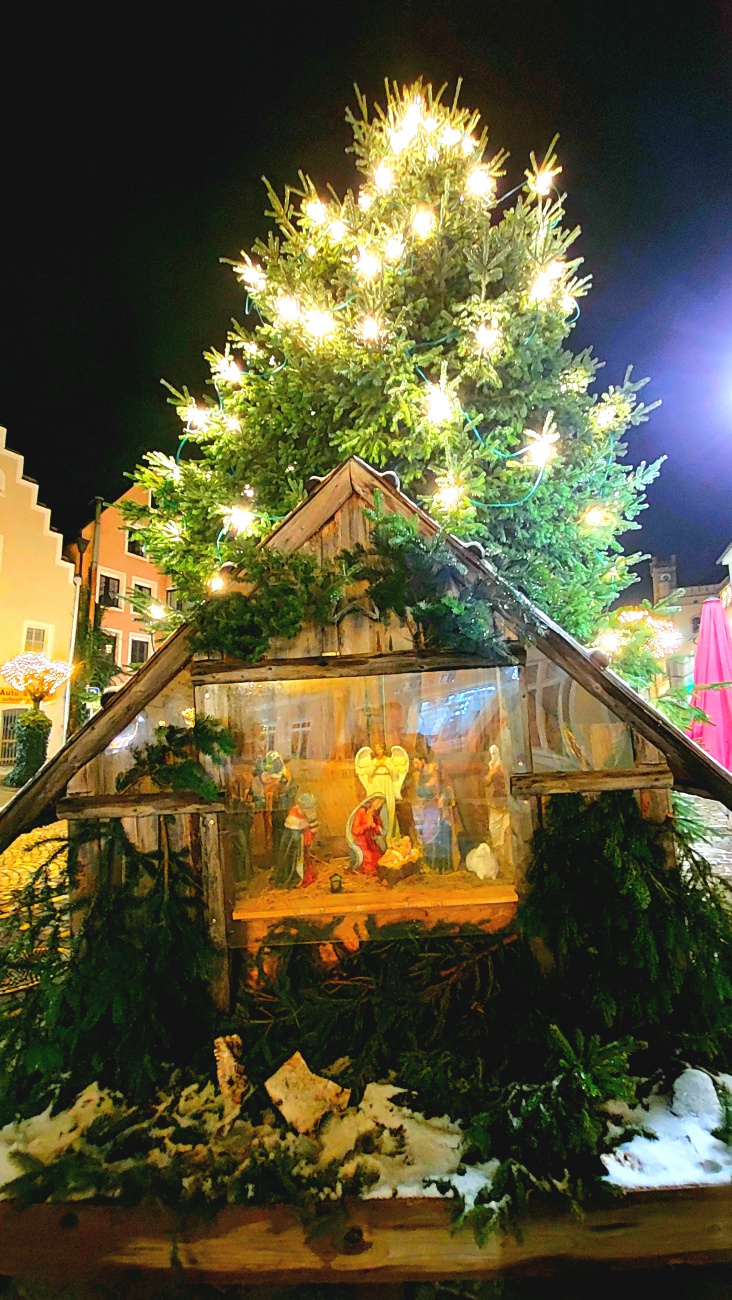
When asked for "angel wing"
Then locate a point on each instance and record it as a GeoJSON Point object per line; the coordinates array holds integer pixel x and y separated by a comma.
{"type": "Point", "coordinates": [362, 763]}
{"type": "Point", "coordinates": [400, 764]}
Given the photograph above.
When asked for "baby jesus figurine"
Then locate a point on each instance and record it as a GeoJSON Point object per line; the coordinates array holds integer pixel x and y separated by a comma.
{"type": "Point", "coordinates": [399, 861]}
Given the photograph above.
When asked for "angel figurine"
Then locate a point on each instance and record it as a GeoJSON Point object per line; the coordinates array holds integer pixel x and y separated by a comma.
{"type": "Point", "coordinates": [382, 773]}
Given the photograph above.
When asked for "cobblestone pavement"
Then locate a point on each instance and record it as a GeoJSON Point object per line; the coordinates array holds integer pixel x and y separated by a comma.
{"type": "Point", "coordinates": [28, 852]}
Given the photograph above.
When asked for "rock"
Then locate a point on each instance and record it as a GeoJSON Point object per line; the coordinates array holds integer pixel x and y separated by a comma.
{"type": "Point", "coordinates": [233, 1082]}
{"type": "Point", "coordinates": [695, 1094]}
{"type": "Point", "coordinates": [303, 1097]}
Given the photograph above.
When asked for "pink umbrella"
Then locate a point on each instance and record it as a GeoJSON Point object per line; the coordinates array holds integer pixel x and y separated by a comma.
{"type": "Point", "coordinates": [713, 663]}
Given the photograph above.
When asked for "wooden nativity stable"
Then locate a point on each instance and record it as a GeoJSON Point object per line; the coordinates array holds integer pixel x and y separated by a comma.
{"type": "Point", "coordinates": [371, 782]}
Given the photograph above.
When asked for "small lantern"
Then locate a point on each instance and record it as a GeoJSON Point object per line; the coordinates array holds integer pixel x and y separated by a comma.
{"type": "Point", "coordinates": [336, 883]}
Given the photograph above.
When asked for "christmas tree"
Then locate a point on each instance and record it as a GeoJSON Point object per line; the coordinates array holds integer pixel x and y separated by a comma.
{"type": "Point", "coordinates": [420, 322]}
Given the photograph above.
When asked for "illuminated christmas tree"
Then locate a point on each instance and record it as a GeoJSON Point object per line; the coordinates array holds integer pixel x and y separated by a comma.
{"type": "Point", "coordinates": [422, 322]}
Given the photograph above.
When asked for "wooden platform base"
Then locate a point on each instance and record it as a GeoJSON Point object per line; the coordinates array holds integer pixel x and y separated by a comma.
{"type": "Point", "coordinates": [375, 1242]}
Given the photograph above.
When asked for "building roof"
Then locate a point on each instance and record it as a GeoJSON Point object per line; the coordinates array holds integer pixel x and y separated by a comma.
{"type": "Point", "coordinates": [694, 771]}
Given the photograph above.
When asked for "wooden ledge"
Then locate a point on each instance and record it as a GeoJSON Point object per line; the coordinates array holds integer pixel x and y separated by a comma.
{"type": "Point", "coordinates": [655, 777]}
{"type": "Point", "coordinates": [134, 805]}
{"type": "Point", "coordinates": [377, 1242]}
{"type": "Point", "coordinates": [213, 671]}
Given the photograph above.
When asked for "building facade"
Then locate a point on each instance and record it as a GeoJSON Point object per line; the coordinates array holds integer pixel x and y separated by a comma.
{"type": "Point", "coordinates": [113, 565]}
{"type": "Point", "coordinates": [38, 595]}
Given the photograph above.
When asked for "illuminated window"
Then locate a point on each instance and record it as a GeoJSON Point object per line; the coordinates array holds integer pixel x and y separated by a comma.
{"type": "Point", "coordinates": [299, 742]}
{"type": "Point", "coordinates": [139, 650]}
{"type": "Point", "coordinates": [109, 591]}
{"type": "Point", "coordinates": [268, 736]}
{"type": "Point", "coordinates": [35, 640]}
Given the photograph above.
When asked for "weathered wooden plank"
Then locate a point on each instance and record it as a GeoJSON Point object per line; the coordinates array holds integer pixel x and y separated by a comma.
{"type": "Point", "coordinates": [208, 672]}
{"type": "Point", "coordinates": [45, 788]}
{"type": "Point", "coordinates": [134, 805]}
{"type": "Point", "coordinates": [524, 784]}
{"type": "Point", "coordinates": [215, 903]}
{"type": "Point", "coordinates": [374, 1242]}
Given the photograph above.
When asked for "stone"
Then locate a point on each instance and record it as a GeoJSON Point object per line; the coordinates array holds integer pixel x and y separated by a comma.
{"type": "Point", "coordinates": [303, 1097]}
{"type": "Point", "coordinates": [695, 1094]}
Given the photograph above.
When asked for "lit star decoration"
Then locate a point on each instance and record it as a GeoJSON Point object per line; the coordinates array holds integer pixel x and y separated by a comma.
{"type": "Point", "coordinates": [35, 676]}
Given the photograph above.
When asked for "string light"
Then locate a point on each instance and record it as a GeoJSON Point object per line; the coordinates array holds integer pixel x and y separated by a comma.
{"type": "Point", "coordinates": [367, 264]}
{"type": "Point", "coordinates": [252, 276]}
{"type": "Point", "coordinates": [423, 222]}
{"type": "Point", "coordinates": [156, 612]}
{"type": "Point", "coordinates": [318, 324]}
{"type": "Point", "coordinates": [227, 370]}
{"type": "Point", "coordinates": [336, 230]}
{"type": "Point", "coordinates": [468, 145]}
{"type": "Point", "coordinates": [480, 183]}
{"type": "Point", "coordinates": [251, 348]}
{"type": "Point", "coordinates": [394, 248]}
{"type": "Point", "coordinates": [311, 250]}
{"type": "Point", "coordinates": [431, 153]}
{"type": "Point", "coordinates": [542, 446]}
{"type": "Point", "coordinates": [365, 200]}
{"type": "Point", "coordinates": [450, 136]}
{"type": "Point", "coordinates": [568, 303]}
{"type": "Point", "coordinates": [430, 124]}
{"type": "Point", "coordinates": [610, 640]}
{"type": "Point", "coordinates": [316, 211]}
{"type": "Point", "coordinates": [545, 281]}
{"type": "Point", "coordinates": [604, 415]}
{"type": "Point", "coordinates": [597, 517]}
{"type": "Point", "coordinates": [383, 178]}
{"type": "Point", "coordinates": [230, 422]}
{"type": "Point", "coordinates": [35, 675]}
{"type": "Point", "coordinates": [369, 329]}
{"type": "Point", "coordinates": [403, 136]}
{"type": "Point", "coordinates": [439, 405]}
{"type": "Point", "coordinates": [173, 530]}
{"type": "Point", "coordinates": [487, 337]}
{"type": "Point", "coordinates": [574, 381]}
{"type": "Point", "coordinates": [542, 182]}
{"type": "Point", "coordinates": [287, 308]}
{"type": "Point", "coordinates": [216, 583]}
{"type": "Point", "coordinates": [240, 519]}
{"type": "Point", "coordinates": [197, 417]}
{"type": "Point", "coordinates": [450, 494]}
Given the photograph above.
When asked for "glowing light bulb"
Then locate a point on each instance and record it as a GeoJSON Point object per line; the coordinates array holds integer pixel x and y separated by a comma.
{"type": "Point", "coordinates": [369, 329]}
{"type": "Point", "coordinates": [215, 583]}
{"type": "Point", "coordinates": [604, 415]}
{"type": "Point", "coordinates": [399, 140]}
{"type": "Point", "coordinates": [394, 248]}
{"type": "Point", "coordinates": [555, 270]}
{"type": "Point", "coordinates": [197, 417]}
{"type": "Point", "coordinates": [367, 264]}
{"type": "Point", "coordinates": [610, 641]}
{"type": "Point", "coordinates": [252, 276]}
{"type": "Point", "coordinates": [311, 250]}
{"type": "Point", "coordinates": [240, 519]}
{"type": "Point", "coordinates": [431, 153]}
{"type": "Point", "coordinates": [383, 177]}
{"type": "Point", "coordinates": [481, 183]}
{"type": "Point", "coordinates": [541, 448]}
{"type": "Point", "coordinates": [487, 337]}
{"type": "Point", "coordinates": [337, 230]}
{"type": "Point", "coordinates": [423, 222]}
{"type": "Point", "coordinates": [439, 405]}
{"type": "Point", "coordinates": [172, 530]}
{"type": "Point", "coordinates": [287, 308]}
{"type": "Point", "coordinates": [316, 211]}
{"type": "Point", "coordinates": [545, 281]}
{"type": "Point", "coordinates": [318, 324]}
{"type": "Point", "coordinates": [597, 517]}
{"type": "Point", "coordinates": [365, 200]}
{"type": "Point", "coordinates": [251, 348]}
{"type": "Point", "coordinates": [450, 136]}
{"type": "Point", "coordinates": [449, 495]}
{"type": "Point", "coordinates": [468, 144]}
{"type": "Point", "coordinates": [231, 423]}
{"type": "Point", "coordinates": [542, 182]}
{"type": "Point", "coordinates": [430, 124]}
{"type": "Point", "coordinates": [227, 370]}
{"type": "Point", "coordinates": [568, 303]}
{"type": "Point", "coordinates": [155, 612]}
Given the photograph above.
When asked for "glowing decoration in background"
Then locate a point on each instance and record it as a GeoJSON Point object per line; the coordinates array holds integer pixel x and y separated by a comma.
{"type": "Point", "coordinates": [316, 211]}
{"type": "Point", "coordinates": [287, 308]}
{"type": "Point", "coordinates": [155, 612]}
{"type": "Point", "coordinates": [439, 405]}
{"type": "Point", "coordinates": [367, 264]}
{"type": "Point", "coordinates": [318, 324]}
{"type": "Point", "coordinates": [450, 494]}
{"type": "Point", "coordinates": [598, 517]}
{"type": "Point", "coordinates": [240, 519]}
{"type": "Point", "coordinates": [383, 178]}
{"type": "Point", "coordinates": [35, 676]}
{"type": "Point", "coordinates": [480, 183]}
{"type": "Point", "coordinates": [227, 370]}
{"type": "Point", "coordinates": [610, 641]}
{"type": "Point", "coordinates": [370, 329]}
{"type": "Point", "coordinates": [394, 248]}
{"type": "Point", "coordinates": [337, 231]}
{"type": "Point", "coordinates": [216, 583]}
{"type": "Point", "coordinates": [487, 337]}
{"type": "Point", "coordinates": [665, 637]}
{"type": "Point", "coordinates": [252, 276]}
{"type": "Point", "coordinates": [423, 222]}
{"type": "Point", "coordinates": [450, 136]}
{"type": "Point", "coordinates": [546, 281]}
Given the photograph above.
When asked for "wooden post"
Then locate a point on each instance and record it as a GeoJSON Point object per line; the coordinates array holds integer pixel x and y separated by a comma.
{"type": "Point", "coordinates": [215, 903]}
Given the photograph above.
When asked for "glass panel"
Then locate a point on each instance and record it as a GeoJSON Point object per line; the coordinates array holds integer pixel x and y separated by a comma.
{"type": "Point", "coordinates": [569, 729]}
{"type": "Point", "coordinates": [355, 784]}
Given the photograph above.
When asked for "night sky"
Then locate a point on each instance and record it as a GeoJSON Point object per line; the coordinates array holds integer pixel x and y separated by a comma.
{"type": "Point", "coordinates": [132, 152]}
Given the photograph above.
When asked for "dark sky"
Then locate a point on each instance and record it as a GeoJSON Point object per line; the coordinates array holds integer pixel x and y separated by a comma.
{"type": "Point", "coordinates": [132, 151]}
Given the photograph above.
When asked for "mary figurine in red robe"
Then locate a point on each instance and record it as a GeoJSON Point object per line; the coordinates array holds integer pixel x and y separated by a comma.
{"type": "Point", "coordinates": [365, 835]}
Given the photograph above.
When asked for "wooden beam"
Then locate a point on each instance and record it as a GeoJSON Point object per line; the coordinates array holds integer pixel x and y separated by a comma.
{"type": "Point", "coordinates": [404, 1240]}
{"type": "Point", "coordinates": [48, 784]}
{"type": "Point", "coordinates": [214, 671]}
{"type": "Point", "coordinates": [82, 806]}
{"type": "Point", "coordinates": [658, 777]}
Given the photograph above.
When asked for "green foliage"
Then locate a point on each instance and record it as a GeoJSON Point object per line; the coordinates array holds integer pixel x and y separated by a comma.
{"type": "Point", "coordinates": [172, 760]}
{"type": "Point", "coordinates": [32, 730]}
{"type": "Point", "coordinates": [124, 999]}
{"type": "Point", "coordinates": [94, 665]}
{"type": "Point", "coordinates": [638, 948]}
{"type": "Point", "coordinates": [303, 399]}
{"type": "Point", "coordinates": [422, 582]}
{"type": "Point", "coordinates": [280, 593]}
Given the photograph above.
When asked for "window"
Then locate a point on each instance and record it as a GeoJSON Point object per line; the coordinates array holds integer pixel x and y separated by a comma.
{"type": "Point", "coordinates": [144, 588]}
{"type": "Point", "coordinates": [133, 545]}
{"type": "Point", "coordinates": [268, 736]}
{"type": "Point", "coordinates": [173, 600]}
{"type": "Point", "coordinates": [299, 743]}
{"type": "Point", "coordinates": [35, 640]}
{"type": "Point", "coordinates": [139, 650]}
{"type": "Point", "coordinates": [7, 736]}
{"type": "Point", "coordinates": [109, 591]}
{"type": "Point", "coordinates": [111, 642]}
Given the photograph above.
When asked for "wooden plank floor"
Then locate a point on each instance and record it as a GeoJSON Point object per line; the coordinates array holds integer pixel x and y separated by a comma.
{"type": "Point", "coordinates": [378, 1242]}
